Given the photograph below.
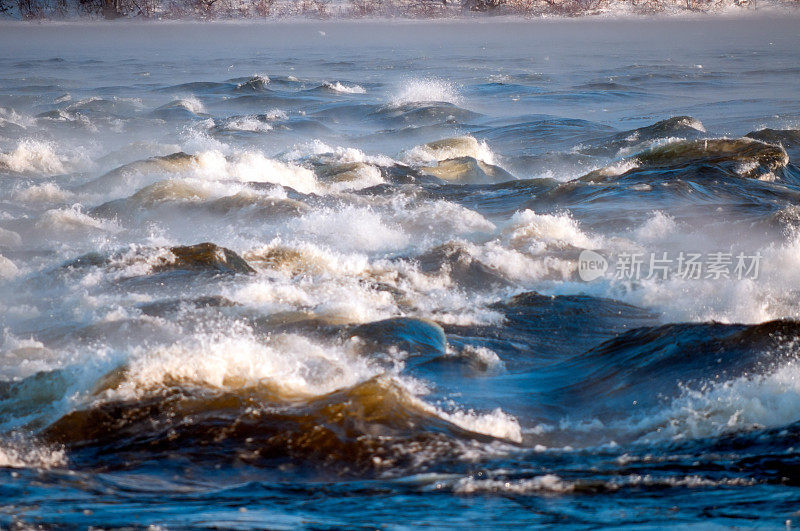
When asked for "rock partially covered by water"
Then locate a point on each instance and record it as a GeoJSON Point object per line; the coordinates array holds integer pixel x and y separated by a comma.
{"type": "Point", "coordinates": [164, 307]}
{"type": "Point", "coordinates": [783, 137]}
{"type": "Point", "coordinates": [741, 157]}
{"type": "Point", "coordinates": [753, 157]}
{"type": "Point", "coordinates": [788, 139]}
{"type": "Point", "coordinates": [416, 336]}
{"type": "Point", "coordinates": [468, 170]}
{"type": "Point", "coordinates": [204, 257]}
{"type": "Point", "coordinates": [454, 259]}
{"type": "Point", "coordinates": [173, 163]}
{"type": "Point", "coordinates": [677, 125]}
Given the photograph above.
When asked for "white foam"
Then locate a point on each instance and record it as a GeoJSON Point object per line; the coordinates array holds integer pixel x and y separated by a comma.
{"type": "Point", "coordinates": [657, 227]}
{"type": "Point", "coordinates": [484, 356]}
{"type": "Point", "coordinates": [276, 114]}
{"type": "Point", "coordinates": [71, 220]}
{"type": "Point", "coordinates": [353, 228]}
{"type": "Point", "coordinates": [32, 156]}
{"type": "Point", "coordinates": [257, 78]}
{"type": "Point", "coordinates": [247, 123]}
{"type": "Point", "coordinates": [717, 408]}
{"type": "Point", "coordinates": [364, 176]}
{"type": "Point", "coordinates": [42, 193]}
{"type": "Point", "coordinates": [20, 454]}
{"type": "Point", "coordinates": [191, 104]}
{"type": "Point", "coordinates": [133, 262]}
{"type": "Point", "coordinates": [319, 149]}
{"type": "Point", "coordinates": [345, 89]}
{"type": "Point", "coordinates": [253, 166]}
{"type": "Point", "coordinates": [496, 423]}
{"type": "Point", "coordinates": [9, 115]}
{"type": "Point", "coordinates": [340, 285]}
{"type": "Point", "coordinates": [535, 233]}
{"type": "Point", "coordinates": [7, 268]}
{"type": "Point", "coordinates": [464, 146]}
{"type": "Point", "coordinates": [438, 220]}
{"type": "Point", "coordinates": [426, 90]}
{"type": "Point", "coordinates": [545, 483]}
{"type": "Point", "coordinates": [294, 365]}
{"type": "Point", "coordinates": [9, 238]}
{"type": "Point", "coordinates": [746, 300]}
{"type": "Point", "coordinates": [519, 264]}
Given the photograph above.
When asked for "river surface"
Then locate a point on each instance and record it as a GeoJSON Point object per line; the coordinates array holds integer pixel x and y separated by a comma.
{"type": "Point", "coordinates": [483, 273]}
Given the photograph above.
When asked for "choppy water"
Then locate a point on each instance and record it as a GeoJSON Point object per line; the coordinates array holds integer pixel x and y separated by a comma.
{"type": "Point", "coordinates": [385, 322]}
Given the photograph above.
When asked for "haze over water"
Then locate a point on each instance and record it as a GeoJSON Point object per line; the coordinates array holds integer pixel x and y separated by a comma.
{"type": "Point", "coordinates": [326, 274]}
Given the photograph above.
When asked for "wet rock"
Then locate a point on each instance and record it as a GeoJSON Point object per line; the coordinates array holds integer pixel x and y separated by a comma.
{"type": "Point", "coordinates": [204, 257]}
{"type": "Point", "coordinates": [742, 157]}
{"type": "Point", "coordinates": [173, 163]}
{"type": "Point", "coordinates": [455, 260]}
{"type": "Point", "coordinates": [468, 170]}
{"type": "Point", "coordinates": [782, 137]}
{"type": "Point", "coordinates": [262, 207]}
{"type": "Point", "coordinates": [418, 337]}
{"type": "Point", "coordinates": [788, 139]}
{"type": "Point", "coordinates": [161, 308]}
{"type": "Point", "coordinates": [92, 259]}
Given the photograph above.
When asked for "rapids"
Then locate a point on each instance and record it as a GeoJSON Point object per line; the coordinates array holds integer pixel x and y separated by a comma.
{"type": "Point", "coordinates": [333, 274]}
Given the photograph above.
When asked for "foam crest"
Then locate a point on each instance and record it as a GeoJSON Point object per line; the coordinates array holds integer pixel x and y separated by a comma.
{"type": "Point", "coordinates": [548, 483]}
{"type": "Point", "coordinates": [42, 193]}
{"type": "Point", "coordinates": [451, 148]}
{"type": "Point", "coordinates": [32, 156]}
{"type": "Point", "coordinates": [439, 219]}
{"type": "Point", "coordinates": [746, 300]}
{"type": "Point", "coordinates": [535, 233]}
{"type": "Point", "coordinates": [353, 228]}
{"type": "Point", "coordinates": [191, 104]}
{"type": "Point", "coordinates": [9, 238]}
{"type": "Point", "coordinates": [253, 166]}
{"type": "Point", "coordinates": [294, 365]}
{"type": "Point", "coordinates": [11, 116]}
{"type": "Point", "coordinates": [345, 89]}
{"type": "Point", "coordinates": [16, 453]}
{"type": "Point", "coordinates": [520, 264]}
{"type": "Point", "coordinates": [760, 401]}
{"type": "Point", "coordinates": [247, 123]}
{"type": "Point", "coordinates": [496, 423]}
{"type": "Point", "coordinates": [426, 90]}
{"type": "Point", "coordinates": [657, 227]}
{"type": "Point", "coordinates": [320, 150]}
{"type": "Point", "coordinates": [73, 220]}
{"type": "Point", "coordinates": [7, 268]}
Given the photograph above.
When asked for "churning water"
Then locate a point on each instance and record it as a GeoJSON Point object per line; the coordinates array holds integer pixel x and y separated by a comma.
{"type": "Point", "coordinates": [440, 273]}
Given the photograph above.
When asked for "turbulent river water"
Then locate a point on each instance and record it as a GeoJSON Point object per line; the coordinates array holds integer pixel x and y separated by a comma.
{"type": "Point", "coordinates": [342, 274]}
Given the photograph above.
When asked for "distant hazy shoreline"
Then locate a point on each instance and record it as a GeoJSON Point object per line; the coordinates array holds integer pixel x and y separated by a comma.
{"type": "Point", "coordinates": [317, 10]}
